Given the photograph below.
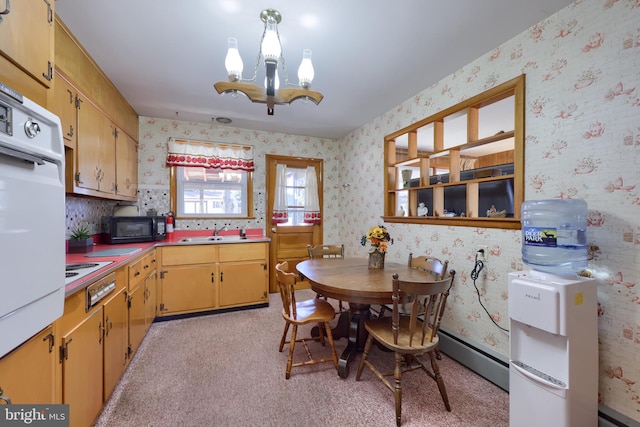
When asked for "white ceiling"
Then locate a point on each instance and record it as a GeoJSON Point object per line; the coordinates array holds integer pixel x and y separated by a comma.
{"type": "Point", "coordinates": [369, 56]}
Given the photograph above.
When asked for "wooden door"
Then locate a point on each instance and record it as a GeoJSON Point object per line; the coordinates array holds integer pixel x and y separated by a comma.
{"type": "Point", "coordinates": [26, 37]}
{"type": "Point", "coordinates": [150, 303]}
{"type": "Point", "coordinates": [64, 106]}
{"type": "Point", "coordinates": [27, 374]}
{"type": "Point", "coordinates": [242, 283]}
{"type": "Point", "coordinates": [82, 370]}
{"type": "Point", "coordinates": [115, 340]}
{"type": "Point", "coordinates": [90, 132]}
{"type": "Point", "coordinates": [289, 241]}
{"type": "Point", "coordinates": [126, 165]}
{"type": "Point", "coordinates": [137, 328]}
{"type": "Point", "coordinates": [188, 288]}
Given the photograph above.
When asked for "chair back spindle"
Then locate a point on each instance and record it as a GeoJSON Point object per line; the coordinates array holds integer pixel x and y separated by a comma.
{"type": "Point", "coordinates": [423, 304]}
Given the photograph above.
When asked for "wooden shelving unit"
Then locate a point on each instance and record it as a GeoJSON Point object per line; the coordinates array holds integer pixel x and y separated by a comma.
{"type": "Point", "coordinates": [460, 162]}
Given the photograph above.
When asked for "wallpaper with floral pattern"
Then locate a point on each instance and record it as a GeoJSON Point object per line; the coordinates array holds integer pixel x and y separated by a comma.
{"type": "Point", "coordinates": [582, 128]}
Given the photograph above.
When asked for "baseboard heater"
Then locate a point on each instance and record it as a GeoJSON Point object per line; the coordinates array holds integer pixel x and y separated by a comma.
{"type": "Point", "coordinates": [489, 366]}
{"type": "Point", "coordinates": [495, 368]}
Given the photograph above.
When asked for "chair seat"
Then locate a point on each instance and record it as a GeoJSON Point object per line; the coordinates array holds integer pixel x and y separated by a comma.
{"type": "Point", "coordinates": [311, 311]}
{"type": "Point", "coordinates": [382, 332]}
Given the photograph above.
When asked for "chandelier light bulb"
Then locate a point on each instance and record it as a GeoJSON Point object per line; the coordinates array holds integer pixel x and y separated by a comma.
{"type": "Point", "coordinates": [233, 61]}
{"type": "Point", "coordinates": [305, 71]}
{"type": "Point", "coordinates": [271, 49]}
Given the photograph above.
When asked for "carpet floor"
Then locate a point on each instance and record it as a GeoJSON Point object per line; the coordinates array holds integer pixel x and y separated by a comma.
{"type": "Point", "coordinates": [225, 370]}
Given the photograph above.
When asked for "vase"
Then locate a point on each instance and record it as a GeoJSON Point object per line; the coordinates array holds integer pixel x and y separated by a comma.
{"type": "Point", "coordinates": [406, 177]}
{"type": "Point", "coordinates": [376, 259]}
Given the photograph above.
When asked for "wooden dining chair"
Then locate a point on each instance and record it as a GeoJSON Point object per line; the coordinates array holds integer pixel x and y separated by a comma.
{"type": "Point", "coordinates": [429, 264]}
{"type": "Point", "coordinates": [409, 337]}
{"type": "Point", "coordinates": [327, 251]}
{"type": "Point", "coordinates": [296, 313]}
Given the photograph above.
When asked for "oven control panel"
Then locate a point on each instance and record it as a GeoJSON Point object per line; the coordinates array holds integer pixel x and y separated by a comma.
{"type": "Point", "coordinates": [99, 290]}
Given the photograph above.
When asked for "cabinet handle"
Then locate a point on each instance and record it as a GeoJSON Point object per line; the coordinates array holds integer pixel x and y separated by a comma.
{"type": "Point", "coordinates": [213, 277]}
{"type": "Point", "coordinates": [70, 133]}
{"type": "Point", "coordinates": [6, 11]}
{"type": "Point", "coordinates": [101, 330]}
{"type": "Point", "coordinates": [5, 398]}
{"type": "Point", "coordinates": [49, 74]}
{"type": "Point", "coordinates": [51, 339]}
{"type": "Point", "coordinates": [146, 266]}
{"type": "Point", "coordinates": [49, 12]}
{"type": "Point", "coordinates": [109, 326]}
{"type": "Point", "coordinates": [221, 277]}
{"type": "Point", "coordinates": [70, 96]}
{"type": "Point", "coordinates": [136, 274]}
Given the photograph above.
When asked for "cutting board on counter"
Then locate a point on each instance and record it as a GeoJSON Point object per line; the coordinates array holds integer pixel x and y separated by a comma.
{"type": "Point", "coordinates": [113, 252]}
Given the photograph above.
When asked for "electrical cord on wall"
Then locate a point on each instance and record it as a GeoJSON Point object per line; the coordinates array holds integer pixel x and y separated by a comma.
{"type": "Point", "coordinates": [475, 273]}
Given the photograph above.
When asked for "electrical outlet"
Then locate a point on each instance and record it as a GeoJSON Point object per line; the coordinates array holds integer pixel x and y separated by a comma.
{"type": "Point", "coordinates": [483, 252]}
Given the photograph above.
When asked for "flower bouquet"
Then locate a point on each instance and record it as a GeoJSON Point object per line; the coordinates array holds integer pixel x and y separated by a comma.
{"type": "Point", "coordinates": [379, 238]}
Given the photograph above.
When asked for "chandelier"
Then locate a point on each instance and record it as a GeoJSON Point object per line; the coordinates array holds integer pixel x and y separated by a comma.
{"type": "Point", "coordinates": [271, 51]}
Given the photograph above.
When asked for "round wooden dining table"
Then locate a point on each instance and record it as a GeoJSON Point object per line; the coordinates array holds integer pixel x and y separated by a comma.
{"type": "Point", "coordinates": [351, 280]}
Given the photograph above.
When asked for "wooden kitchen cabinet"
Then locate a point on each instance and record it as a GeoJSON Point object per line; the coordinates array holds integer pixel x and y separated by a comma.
{"type": "Point", "coordinates": [244, 274]}
{"type": "Point", "coordinates": [27, 374]}
{"type": "Point", "coordinates": [141, 298]}
{"type": "Point", "coordinates": [65, 97]}
{"type": "Point", "coordinates": [188, 278]}
{"type": "Point", "coordinates": [212, 276]}
{"type": "Point", "coordinates": [95, 155]}
{"type": "Point", "coordinates": [26, 48]}
{"type": "Point", "coordinates": [126, 165]}
{"type": "Point", "coordinates": [115, 340]}
{"type": "Point", "coordinates": [81, 354]}
{"type": "Point", "coordinates": [103, 160]}
{"type": "Point", "coordinates": [92, 349]}
{"type": "Point", "coordinates": [461, 163]}
{"type": "Point", "coordinates": [136, 318]}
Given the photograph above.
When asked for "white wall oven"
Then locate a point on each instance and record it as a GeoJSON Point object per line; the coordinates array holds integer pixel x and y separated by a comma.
{"type": "Point", "coordinates": [32, 219]}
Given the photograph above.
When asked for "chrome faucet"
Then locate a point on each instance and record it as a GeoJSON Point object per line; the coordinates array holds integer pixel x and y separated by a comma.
{"type": "Point", "coordinates": [217, 231]}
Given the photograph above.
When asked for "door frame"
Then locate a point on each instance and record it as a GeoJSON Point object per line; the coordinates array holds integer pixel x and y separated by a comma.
{"type": "Point", "coordinates": [271, 229]}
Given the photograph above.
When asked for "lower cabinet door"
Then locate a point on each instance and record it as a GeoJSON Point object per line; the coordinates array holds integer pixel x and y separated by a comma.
{"type": "Point", "coordinates": [137, 327]}
{"type": "Point", "coordinates": [82, 370]}
{"type": "Point", "coordinates": [115, 341]}
{"type": "Point", "coordinates": [189, 288]}
{"type": "Point", "coordinates": [27, 373]}
{"type": "Point", "coordinates": [243, 283]}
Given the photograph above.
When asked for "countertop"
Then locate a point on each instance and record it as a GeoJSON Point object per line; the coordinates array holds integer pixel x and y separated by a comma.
{"type": "Point", "coordinates": [253, 236]}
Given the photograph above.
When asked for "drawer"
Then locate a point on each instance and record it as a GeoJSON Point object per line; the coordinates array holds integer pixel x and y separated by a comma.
{"type": "Point", "coordinates": [192, 254]}
{"type": "Point", "coordinates": [243, 252]}
{"type": "Point", "coordinates": [141, 268]}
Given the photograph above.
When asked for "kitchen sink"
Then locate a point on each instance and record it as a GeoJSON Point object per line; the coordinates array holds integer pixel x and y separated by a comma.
{"type": "Point", "coordinates": [209, 239]}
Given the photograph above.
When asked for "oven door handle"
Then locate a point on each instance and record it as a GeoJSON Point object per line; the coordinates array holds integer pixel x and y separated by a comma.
{"type": "Point", "coordinates": [22, 156]}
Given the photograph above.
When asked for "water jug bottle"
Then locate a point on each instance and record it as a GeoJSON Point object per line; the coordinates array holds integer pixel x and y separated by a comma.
{"type": "Point", "coordinates": [554, 235]}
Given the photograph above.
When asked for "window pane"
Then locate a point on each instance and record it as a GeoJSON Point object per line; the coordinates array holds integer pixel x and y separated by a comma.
{"type": "Point", "coordinates": [211, 192]}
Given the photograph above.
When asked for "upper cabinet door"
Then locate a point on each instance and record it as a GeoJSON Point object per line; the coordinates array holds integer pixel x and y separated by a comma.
{"type": "Point", "coordinates": [65, 98]}
{"type": "Point", "coordinates": [26, 37]}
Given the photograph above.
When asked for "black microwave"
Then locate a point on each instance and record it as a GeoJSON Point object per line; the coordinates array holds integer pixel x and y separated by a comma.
{"type": "Point", "coordinates": [132, 229]}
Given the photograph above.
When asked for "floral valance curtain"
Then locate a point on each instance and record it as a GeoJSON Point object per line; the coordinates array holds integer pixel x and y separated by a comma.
{"type": "Point", "coordinates": [204, 154]}
{"type": "Point", "coordinates": [280, 213]}
{"type": "Point", "coordinates": [311, 198]}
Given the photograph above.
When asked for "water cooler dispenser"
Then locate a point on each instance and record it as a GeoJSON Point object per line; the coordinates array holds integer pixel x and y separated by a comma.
{"type": "Point", "coordinates": [553, 370]}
